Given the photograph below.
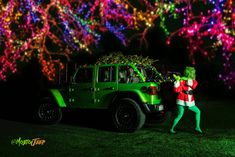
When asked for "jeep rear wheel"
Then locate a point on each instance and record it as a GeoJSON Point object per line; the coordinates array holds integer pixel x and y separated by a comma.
{"type": "Point", "coordinates": [127, 115]}
{"type": "Point", "coordinates": [48, 112]}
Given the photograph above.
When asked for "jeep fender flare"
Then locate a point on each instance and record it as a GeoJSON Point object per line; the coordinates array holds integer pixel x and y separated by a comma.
{"type": "Point", "coordinates": [56, 95]}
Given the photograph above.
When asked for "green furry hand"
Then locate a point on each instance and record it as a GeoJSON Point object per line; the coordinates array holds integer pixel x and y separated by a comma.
{"type": "Point", "coordinates": [177, 78]}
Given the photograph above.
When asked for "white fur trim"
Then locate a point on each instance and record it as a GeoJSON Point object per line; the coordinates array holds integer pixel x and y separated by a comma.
{"type": "Point", "coordinates": [189, 98]}
{"type": "Point", "coordinates": [176, 84]}
{"type": "Point", "coordinates": [185, 103]}
{"type": "Point", "coordinates": [190, 82]}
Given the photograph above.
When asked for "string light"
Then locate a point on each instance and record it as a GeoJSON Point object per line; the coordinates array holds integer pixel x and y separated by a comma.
{"type": "Point", "coordinates": [45, 29]}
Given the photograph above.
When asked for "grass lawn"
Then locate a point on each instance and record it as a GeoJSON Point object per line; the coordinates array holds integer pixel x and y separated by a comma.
{"type": "Point", "coordinates": [70, 140]}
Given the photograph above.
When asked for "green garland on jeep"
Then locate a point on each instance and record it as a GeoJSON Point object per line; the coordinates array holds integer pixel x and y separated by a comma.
{"type": "Point", "coordinates": [121, 87]}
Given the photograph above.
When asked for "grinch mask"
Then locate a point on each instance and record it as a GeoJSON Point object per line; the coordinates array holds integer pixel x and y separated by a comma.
{"type": "Point", "coordinates": [190, 72]}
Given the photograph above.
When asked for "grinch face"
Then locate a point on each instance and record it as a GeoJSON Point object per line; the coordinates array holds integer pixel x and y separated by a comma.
{"type": "Point", "coordinates": [190, 72]}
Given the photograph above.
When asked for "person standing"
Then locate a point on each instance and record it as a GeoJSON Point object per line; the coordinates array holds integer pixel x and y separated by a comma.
{"type": "Point", "coordinates": [184, 86]}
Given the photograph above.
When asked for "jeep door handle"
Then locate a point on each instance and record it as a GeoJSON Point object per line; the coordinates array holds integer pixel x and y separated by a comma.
{"type": "Point", "coordinates": [109, 88]}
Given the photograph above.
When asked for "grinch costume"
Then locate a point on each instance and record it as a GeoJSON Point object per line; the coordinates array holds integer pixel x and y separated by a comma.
{"type": "Point", "coordinates": [184, 86]}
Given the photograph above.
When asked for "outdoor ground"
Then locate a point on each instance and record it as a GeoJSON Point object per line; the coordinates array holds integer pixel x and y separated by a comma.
{"type": "Point", "coordinates": [92, 137]}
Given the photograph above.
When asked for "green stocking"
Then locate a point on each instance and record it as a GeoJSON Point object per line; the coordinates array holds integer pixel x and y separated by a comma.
{"type": "Point", "coordinates": [179, 116]}
{"type": "Point", "coordinates": [197, 116]}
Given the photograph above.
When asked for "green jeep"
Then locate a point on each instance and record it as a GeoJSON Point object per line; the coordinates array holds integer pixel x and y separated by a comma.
{"type": "Point", "coordinates": [120, 88]}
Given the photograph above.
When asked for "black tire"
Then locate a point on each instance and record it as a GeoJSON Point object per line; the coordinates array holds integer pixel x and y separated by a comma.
{"type": "Point", "coordinates": [127, 115]}
{"type": "Point", "coordinates": [48, 112]}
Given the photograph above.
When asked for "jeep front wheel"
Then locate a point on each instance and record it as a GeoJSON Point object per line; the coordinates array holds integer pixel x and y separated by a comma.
{"type": "Point", "coordinates": [127, 115]}
{"type": "Point", "coordinates": [48, 112]}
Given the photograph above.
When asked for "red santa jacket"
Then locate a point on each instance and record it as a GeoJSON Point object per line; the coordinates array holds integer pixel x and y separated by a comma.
{"type": "Point", "coordinates": [184, 89]}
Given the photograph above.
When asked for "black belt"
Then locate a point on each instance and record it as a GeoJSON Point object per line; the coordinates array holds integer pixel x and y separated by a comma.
{"type": "Point", "coordinates": [190, 92]}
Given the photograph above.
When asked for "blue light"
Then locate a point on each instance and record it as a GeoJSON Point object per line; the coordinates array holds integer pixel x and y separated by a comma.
{"type": "Point", "coordinates": [116, 31]}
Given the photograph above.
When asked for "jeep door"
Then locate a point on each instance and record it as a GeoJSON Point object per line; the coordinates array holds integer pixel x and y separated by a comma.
{"type": "Point", "coordinates": [81, 91]}
{"type": "Point", "coordinates": [105, 85]}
